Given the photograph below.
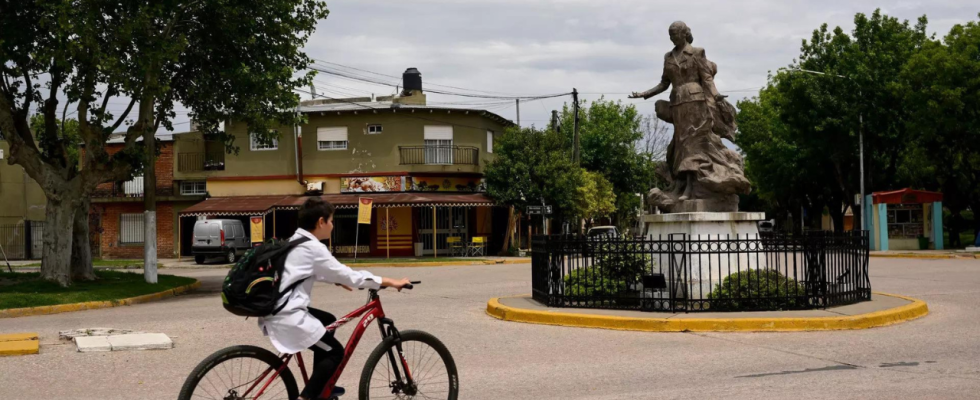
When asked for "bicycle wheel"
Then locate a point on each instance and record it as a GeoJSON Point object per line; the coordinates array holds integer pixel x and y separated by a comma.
{"type": "Point", "coordinates": [430, 364]}
{"type": "Point", "coordinates": [239, 373]}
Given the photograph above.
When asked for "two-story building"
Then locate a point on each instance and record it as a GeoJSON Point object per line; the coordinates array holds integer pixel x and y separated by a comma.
{"type": "Point", "coordinates": [422, 165]}
{"type": "Point", "coordinates": [22, 208]}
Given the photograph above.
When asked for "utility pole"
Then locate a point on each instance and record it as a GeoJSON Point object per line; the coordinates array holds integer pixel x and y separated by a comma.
{"type": "Point", "coordinates": [861, 151]}
{"type": "Point", "coordinates": [150, 205]}
{"type": "Point", "coordinates": [575, 151]}
{"type": "Point", "coordinates": [518, 112]}
{"type": "Point", "coordinates": [554, 121]}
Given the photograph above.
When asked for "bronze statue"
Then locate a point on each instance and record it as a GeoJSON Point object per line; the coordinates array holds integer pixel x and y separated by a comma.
{"type": "Point", "coordinates": [704, 174]}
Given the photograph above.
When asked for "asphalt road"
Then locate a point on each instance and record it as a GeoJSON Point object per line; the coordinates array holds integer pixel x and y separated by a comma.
{"type": "Point", "coordinates": [934, 357]}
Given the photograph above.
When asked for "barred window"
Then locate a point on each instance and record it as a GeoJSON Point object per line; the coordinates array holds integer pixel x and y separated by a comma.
{"type": "Point", "coordinates": [190, 188]}
{"type": "Point", "coordinates": [257, 144]}
{"type": "Point", "coordinates": [131, 228]}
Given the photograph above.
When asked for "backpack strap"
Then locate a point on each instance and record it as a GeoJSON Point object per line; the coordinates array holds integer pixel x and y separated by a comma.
{"type": "Point", "coordinates": [289, 289]}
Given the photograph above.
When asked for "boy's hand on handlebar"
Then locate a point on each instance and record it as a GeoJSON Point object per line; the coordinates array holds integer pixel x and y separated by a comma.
{"type": "Point", "coordinates": [396, 283]}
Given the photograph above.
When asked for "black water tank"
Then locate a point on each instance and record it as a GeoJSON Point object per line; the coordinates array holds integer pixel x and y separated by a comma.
{"type": "Point", "coordinates": [412, 79]}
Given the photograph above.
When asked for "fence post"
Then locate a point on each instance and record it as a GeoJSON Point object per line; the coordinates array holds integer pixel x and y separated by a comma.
{"type": "Point", "coordinates": [676, 247]}
{"type": "Point", "coordinates": [28, 235]}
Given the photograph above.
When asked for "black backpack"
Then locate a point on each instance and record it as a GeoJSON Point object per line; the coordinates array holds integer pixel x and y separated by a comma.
{"type": "Point", "coordinates": [251, 288]}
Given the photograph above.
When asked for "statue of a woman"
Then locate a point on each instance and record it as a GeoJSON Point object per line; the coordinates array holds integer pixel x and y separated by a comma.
{"type": "Point", "coordinates": [705, 175]}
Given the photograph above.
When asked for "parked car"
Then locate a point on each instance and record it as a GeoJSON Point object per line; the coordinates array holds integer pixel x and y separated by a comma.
{"type": "Point", "coordinates": [219, 237]}
{"type": "Point", "coordinates": [607, 232]}
{"type": "Point", "coordinates": [767, 226]}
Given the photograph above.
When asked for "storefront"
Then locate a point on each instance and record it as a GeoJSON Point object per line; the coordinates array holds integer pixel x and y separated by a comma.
{"type": "Point", "coordinates": [905, 220]}
{"type": "Point", "coordinates": [402, 224]}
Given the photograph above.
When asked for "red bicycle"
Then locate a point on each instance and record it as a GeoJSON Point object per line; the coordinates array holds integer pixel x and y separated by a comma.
{"type": "Point", "coordinates": [416, 365]}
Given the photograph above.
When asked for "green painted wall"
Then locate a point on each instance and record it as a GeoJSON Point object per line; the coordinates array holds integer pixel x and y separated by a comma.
{"type": "Point", "coordinates": [364, 154]}
{"type": "Point", "coordinates": [20, 196]}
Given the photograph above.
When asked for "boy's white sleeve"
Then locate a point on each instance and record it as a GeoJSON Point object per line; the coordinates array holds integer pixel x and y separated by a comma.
{"type": "Point", "coordinates": [326, 268]}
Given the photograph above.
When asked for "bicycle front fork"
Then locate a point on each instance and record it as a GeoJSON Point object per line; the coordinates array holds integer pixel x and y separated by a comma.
{"type": "Point", "coordinates": [406, 386]}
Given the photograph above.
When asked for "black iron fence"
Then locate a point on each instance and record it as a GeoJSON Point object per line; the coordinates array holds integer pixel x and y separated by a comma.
{"type": "Point", "coordinates": [702, 273]}
{"type": "Point", "coordinates": [22, 241]}
{"type": "Point", "coordinates": [439, 155]}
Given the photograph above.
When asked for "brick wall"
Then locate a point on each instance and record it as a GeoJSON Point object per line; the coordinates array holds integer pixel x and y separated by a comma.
{"type": "Point", "coordinates": [164, 168]}
{"type": "Point", "coordinates": [110, 246]}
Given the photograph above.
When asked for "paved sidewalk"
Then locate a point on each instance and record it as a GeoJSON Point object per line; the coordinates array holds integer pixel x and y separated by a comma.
{"type": "Point", "coordinates": [927, 254]}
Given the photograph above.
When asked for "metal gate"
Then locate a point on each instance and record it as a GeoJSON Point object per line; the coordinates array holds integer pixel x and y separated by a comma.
{"type": "Point", "coordinates": [449, 221]}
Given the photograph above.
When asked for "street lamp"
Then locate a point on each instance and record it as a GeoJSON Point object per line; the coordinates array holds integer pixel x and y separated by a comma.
{"type": "Point", "coordinates": [860, 135]}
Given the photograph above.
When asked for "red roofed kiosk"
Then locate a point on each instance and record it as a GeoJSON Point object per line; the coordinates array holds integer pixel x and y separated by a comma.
{"type": "Point", "coordinates": [905, 219]}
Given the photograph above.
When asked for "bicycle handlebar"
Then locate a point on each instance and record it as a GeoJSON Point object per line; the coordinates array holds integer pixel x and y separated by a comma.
{"type": "Point", "coordinates": [410, 286]}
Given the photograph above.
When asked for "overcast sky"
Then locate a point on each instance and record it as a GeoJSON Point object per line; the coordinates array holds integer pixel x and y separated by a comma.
{"type": "Point", "coordinates": [599, 47]}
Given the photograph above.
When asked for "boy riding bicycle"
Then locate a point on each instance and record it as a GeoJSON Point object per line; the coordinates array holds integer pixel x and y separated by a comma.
{"type": "Point", "coordinates": [298, 326]}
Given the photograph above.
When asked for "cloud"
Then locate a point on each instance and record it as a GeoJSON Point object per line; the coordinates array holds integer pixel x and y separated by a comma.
{"type": "Point", "coordinates": [543, 47]}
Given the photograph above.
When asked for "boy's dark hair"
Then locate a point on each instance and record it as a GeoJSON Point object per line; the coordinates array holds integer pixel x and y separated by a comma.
{"type": "Point", "coordinates": [312, 210]}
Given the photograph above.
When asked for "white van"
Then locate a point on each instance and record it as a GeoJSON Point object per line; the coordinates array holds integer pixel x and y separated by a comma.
{"type": "Point", "coordinates": [219, 237]}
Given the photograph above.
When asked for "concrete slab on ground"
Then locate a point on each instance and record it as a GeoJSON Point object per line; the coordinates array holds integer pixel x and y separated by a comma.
{"type": "Point", "coordinates": [877, 303]}
{"type": "Point", "coordinates": [91, 344]}
{"type": "Point", "coordinates": [141, 341]}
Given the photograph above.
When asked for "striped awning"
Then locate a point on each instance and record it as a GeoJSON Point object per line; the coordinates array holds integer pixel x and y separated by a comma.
{"type": "Point", "coordinates": [391, 200]}
{"type": "Point", "coordinates": [261, 205]}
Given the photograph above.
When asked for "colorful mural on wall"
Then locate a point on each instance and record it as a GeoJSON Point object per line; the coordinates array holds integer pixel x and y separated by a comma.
{"type": "Point", "coordinates": [446, 184]}
{"type": "Point", "coordinates": [372, 184]}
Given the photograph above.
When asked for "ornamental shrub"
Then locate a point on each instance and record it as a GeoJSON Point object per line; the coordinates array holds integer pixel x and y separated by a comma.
{"type": "Point", "coordinates": [756, 289]}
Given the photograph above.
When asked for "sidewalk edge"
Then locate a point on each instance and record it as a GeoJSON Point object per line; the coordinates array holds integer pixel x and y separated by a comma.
{"type": "Point", "coordinates": [908, 312]}
{"type": "Point", "coordinates": [95, 305]}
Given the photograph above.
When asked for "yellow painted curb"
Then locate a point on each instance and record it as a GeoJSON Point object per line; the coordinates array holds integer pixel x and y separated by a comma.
{"type": "Point", "coordinates": [16, 337]}
{"type": "Point", "coordinates": [916, 309]}
{"type": "Point", "coordinates": [95, 305]}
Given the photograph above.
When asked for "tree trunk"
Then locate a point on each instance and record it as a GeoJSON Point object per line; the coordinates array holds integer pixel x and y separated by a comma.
{"type": "Point", "coordinates": [509, 236]}
{"type": "Point", "coordinates": [81, 249]}
{"type": "Point", "coordinates": [56, 254]}
{"type": "Point", "coordinates": [837, 215]}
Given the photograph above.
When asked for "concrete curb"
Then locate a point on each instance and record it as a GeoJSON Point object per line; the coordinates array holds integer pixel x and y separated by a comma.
{"type": "Point", "coordinates": [929, 256]}
{"type": "Point", "coordinates": [916, 309]}
{"type": "Point", "coordinates": [95, 305]}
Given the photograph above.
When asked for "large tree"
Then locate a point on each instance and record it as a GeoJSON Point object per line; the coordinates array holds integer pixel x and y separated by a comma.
{"type": "Point", "coordinates": [811, 122]}
{"type": "Point", "coordinates": [223, 60]}
{"type": "Point", "coordinates": [611, 139]}
{"type": "Point", "coordinates": [943, 97]}
{"type": "Point", "coordinates": [532, 165]}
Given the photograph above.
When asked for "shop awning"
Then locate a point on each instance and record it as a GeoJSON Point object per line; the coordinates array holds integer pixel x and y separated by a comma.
{"type": "Point", "coordinates": [389, 200]}
{"type": "Point", "coordinates": [260, 205]}
{"type": "Point", "coordinates": [244, 205]}
{"type": "Point", "coordinates": [906, 196]}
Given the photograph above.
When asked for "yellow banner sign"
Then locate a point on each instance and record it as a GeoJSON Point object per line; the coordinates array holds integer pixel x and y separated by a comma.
{"type": "Point", "coordinates": [364, 210]}
{"type": "Point", "coordinates": [257, 229]}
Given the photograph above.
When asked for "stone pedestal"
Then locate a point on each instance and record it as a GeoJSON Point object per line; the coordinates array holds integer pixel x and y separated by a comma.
{"type": "Point", "coordinates": [707, 257]}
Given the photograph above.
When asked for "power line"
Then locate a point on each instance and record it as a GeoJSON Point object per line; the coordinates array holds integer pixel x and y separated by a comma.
{"type": "Point", "coordinates": [427, 83]}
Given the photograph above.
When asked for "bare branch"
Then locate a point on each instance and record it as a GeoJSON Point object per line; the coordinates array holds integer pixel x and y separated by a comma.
{"type": "Point", "coordinates": [28, 92]}
{"type": "Point", "coordinates": [122, 117]}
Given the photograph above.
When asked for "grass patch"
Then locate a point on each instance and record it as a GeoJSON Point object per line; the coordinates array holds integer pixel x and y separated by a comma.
{"type": "Point", "coordinates": [406, 260]}
{"type": "Point", "coordinates": [103, 264]}
{"type": "Point", "coordinates": [19, 290]}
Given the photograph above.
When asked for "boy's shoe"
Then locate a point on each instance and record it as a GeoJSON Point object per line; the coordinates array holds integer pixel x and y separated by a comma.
{"type": "Point", "coordinates": [337, 392]}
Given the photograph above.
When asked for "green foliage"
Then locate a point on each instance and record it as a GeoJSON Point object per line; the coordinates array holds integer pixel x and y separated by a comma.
{"type": "Point", "coordinates": [917, 97]}
{"type": "Point", "coordinates": [596, 197]}
{"type": "Point", "coordinates": [609, 135]}
{"type": "Point", "coordinates": [757, 290]}
{"type": "Point", "coordinates": [620, 264]}
{"type": "Point", "coordinates": [532, 164]}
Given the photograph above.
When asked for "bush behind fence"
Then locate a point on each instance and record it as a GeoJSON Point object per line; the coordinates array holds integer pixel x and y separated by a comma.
{"type": "Point", "coordinates": [702, 273]}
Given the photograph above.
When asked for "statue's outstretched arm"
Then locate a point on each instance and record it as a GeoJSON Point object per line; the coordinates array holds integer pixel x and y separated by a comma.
{"type": "Point", "coordinates": [660, 88]}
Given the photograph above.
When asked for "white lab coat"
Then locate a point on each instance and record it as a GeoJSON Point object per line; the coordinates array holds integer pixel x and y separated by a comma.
{"type": "Point", "coordinates": [294, 328]}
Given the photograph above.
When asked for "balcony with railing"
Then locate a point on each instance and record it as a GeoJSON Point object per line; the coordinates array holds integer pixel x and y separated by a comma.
{"type": "Point", "coordinates": [132, 188]}
{"type": "Point", "coordinates": [201, 161]}
{"type": "Point", "coordinates": [439, 155]}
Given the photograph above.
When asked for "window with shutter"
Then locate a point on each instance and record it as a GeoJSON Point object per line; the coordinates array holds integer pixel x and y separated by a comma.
{"type": "Point", "coordinates": [331, 138]}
